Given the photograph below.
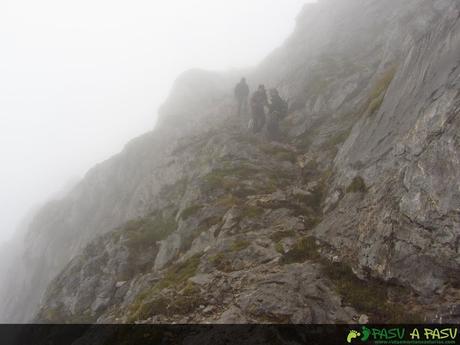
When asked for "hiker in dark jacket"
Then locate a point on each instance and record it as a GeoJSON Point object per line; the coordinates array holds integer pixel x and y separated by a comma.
{"type": "Point", "coordinates": [241, 95]}
{"type": "Point", "coordinates": [258, 103]}
{"type": "Point", "coordinates": [277, 109]}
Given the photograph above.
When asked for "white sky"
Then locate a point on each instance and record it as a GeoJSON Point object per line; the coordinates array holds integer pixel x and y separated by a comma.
{"type": "Point", "coordinates": [79, 78]}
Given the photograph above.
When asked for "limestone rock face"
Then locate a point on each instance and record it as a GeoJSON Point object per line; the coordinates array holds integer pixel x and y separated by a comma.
{"type": "Point", "coordinates": [218, 249]}
{"type": "Point", "coordinates": [407, 153]}
{"type": "Point", "coordinates": [353, 217]}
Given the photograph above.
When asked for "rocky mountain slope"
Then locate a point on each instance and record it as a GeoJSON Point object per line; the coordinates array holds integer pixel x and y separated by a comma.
{"type": "Point", "coordinates": [354, 217]}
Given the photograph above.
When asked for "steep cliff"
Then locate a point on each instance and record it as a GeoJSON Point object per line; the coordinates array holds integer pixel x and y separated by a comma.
{"type": "Point", "coordinates": [353, 217]}
{"type": "Point", "coordinates": [120, 189]}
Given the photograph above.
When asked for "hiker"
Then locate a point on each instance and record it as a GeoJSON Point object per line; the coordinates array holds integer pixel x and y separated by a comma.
{"type": "Point", "coordinates": [258, 103]}
{"type": "Point", "coordinates": [241, 95]}
{"type": "Point", "coordinates": [277, 110]}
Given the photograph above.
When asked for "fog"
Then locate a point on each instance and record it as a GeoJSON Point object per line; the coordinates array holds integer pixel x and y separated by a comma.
{"type": "Point", "coordinates": [78, 79]}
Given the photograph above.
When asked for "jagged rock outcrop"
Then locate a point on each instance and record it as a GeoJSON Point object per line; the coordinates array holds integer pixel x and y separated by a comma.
{"type": "Point", "coordinates": [122, 188]}
{"type": "Point", "coordinates": [404, 226]}
{"type": "Point", "coordinates": [226, 240]}
{"type": "Point", "coordinates": [354, 216]}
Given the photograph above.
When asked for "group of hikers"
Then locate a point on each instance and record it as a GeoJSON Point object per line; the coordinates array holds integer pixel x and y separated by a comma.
{"type": "Point", "coordinates": [276, 106]}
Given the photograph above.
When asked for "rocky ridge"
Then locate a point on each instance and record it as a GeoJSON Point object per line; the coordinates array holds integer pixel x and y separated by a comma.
{"type": "Point", "coordinates": [353, 218]}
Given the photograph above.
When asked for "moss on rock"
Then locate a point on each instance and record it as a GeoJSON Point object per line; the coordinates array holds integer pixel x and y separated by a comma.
{"type": "Point", "coordinates": [305, 249]}
{"type": "Point", "coordinates": [369, 296]}
{"type": "Point", "coordinates": [151, 302]}
{"type": "Point", "coordinates": [221, 262]}
{"type": "Point", "coordinates": [144, 232]}
{"type": "Point", "coordinates": [190, 211]}
{"type": "Point", "coordinates": [279, 235]}
{"type": "Point", "coordinates": [357, 186]}
{"type": "Point", "coordinates": [379, 90]}
{"type": "Point", "coordinates": [239, 245]}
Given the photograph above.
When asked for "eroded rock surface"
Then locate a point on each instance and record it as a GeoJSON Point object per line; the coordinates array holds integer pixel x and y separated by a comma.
{"type": "Point", "coordinates": [354, 217]}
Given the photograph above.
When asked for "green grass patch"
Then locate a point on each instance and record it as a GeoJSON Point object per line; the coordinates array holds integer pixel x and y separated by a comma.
{"type": "Point", "coordinates": [279, 152]}
{"type": "Point", "coordinates": [211, 221]}
{"type": "Point", "coordinates": [221, 263]}
{"type": "Point", "coordinates": [314, 198]}
{"type": "Point", "coordinates": [158, 305]}
{"type": "Point", "coordinates": [228, 178]}
{"type": "Point", "coordinates": [228, 201]}
{"type": "Point", "coordinates": [339, 138]}
{"type": "Point", "coordinates": [242, 192]}
{"type": "Point", "coordinates": [375, 104]}
{"type": "Point", "coordinates": [150, 301]}
{"type": "Point", "coordinates": [183, 303]}
{"type": "Point", "coordinates": [144, 232]}
{"type": "Point", "coordinates": [269, 184]}
{"type": "Point", "coordinates": [180, 272]}
{"type": "Point", "coordinates": [287, 156]}
{"type": "Point", "coordinates": [175, 190]}
{"type": "Point", "coordinates": [252, 212]}
{"type": "Point", "coordinates": [279, 235]}
{"type": "Point", "coordinates": [234, 166]}
{"type": "Point", "coordinates": [303, 141]}
{"type": "Point", "coordinates": [357, 186]}
{"type": "Point", "coordinates": [239, 245]}
{"type": "Point", "coordinates": [368, 296]}
{"type": "Point", "coordinates": [217, 180]}
{"type": "Point", "coordinates": [279, 247]}
{"type": "Point", "coordinates": [383, 82]}
{"type": "Point", "coordinates": [188, 240]}
{"type": "Point", "coordinates": [311, 166]}
{"type": "Point", "coordinates": [379, 90]}
{"type": "Point", "coordinates": [305, 249]}
{"type": "Point", "coordinates": [190, 211]}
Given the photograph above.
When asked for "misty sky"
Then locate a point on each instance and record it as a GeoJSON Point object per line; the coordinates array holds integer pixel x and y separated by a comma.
{"type": "Point", "coordinates": [78, 79]}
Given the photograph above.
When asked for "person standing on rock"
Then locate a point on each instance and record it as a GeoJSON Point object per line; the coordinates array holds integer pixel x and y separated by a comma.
{"type": "Point", "coordinates": [241, 95]}
{"type": "Point", "coordinates": [258, 103]}
{"type": "Point", "coordinates": [277, 109]}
